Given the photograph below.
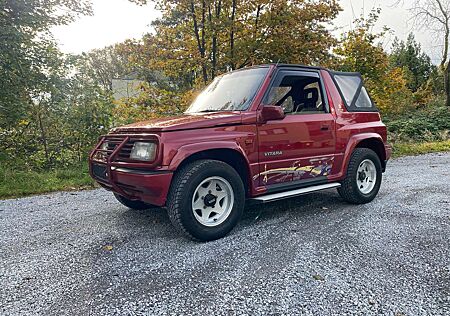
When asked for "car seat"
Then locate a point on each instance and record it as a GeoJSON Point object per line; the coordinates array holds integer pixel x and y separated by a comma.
{"type": "Point", "coordinates": [310, 98]}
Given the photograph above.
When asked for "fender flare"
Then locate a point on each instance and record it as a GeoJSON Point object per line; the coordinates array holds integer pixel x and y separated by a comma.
{"type": "Point", "coordinates": [352, 144]}
{"type": "Point", "coordinates": [186, 151]}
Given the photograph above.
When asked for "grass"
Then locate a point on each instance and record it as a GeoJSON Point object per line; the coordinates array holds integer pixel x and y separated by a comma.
{"type": "Point", "coordinates": [418, 148]}
{"type": "Point", "coordinates": [15, 183]}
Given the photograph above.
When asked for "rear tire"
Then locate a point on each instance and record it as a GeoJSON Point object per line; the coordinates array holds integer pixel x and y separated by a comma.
{"type": "Point", "coordinates": [363, 179]}
{"type": "Point", "coordinates": [206, 200]}
{"type": "Point", "coordinates": [135, 205]}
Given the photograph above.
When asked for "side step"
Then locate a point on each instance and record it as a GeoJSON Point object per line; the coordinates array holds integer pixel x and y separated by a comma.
{"type": "Point", "coordinates": [287, 194]}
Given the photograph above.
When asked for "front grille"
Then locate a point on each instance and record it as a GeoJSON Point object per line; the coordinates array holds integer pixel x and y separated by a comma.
{"type": "Point", "coordinates": [126, 141]}
{"type": "Point", "coordinates": [125, 151]}
{"type": "Point", "coordinates": [113, 142]}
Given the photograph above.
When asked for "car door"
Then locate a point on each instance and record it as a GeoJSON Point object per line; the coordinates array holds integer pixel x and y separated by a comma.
{"type": "Point", "coordinates": [298, 149]}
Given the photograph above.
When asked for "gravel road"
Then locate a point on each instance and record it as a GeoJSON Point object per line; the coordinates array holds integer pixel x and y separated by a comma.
{"type": "Point", "coordinates": [83, 253]}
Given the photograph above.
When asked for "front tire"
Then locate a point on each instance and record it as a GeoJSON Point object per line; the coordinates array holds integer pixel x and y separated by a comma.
{"type": "Point", "coordinates": [135, 205]}
{"type": "Point", "coordinates": [363, 179]}
{"type": "Point", "coordinates": [206, 200]}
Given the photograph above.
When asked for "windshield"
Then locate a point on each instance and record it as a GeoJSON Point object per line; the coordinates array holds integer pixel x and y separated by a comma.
{"type": "Point", "coordinates": [230, 92]}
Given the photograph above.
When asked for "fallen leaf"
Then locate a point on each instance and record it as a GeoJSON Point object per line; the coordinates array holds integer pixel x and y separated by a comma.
{"type": "Point", "coordinates": [318, 277]}
{"type": "Point", "coordinates": [108, 247]}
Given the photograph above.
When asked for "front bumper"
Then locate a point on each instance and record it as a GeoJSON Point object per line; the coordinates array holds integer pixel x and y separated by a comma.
{"type": "Point", "coordinates": [115, 171]}
{"type": "Point", "coordinates": [147, 186]}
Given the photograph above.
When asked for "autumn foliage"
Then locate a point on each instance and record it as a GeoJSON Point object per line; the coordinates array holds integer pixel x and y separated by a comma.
{"type": "Point", "coordinates": [54, 106]}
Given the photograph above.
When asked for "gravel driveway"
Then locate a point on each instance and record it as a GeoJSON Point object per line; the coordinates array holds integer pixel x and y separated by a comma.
{"type": "Point", "coordinates": [80, 253]}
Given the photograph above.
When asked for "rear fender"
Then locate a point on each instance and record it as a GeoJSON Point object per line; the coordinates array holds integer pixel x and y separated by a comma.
{"type": "Point", "coordinates": [351, 145]}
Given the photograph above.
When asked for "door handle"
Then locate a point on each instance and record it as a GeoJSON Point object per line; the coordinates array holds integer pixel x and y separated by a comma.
{"type": "Point", "coordinates": [324, 127]}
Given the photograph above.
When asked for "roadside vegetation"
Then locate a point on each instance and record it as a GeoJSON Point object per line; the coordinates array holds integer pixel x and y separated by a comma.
{"type": "Point", "coordinates": [54, 106]}
{"type": "Point", "coordinates": [18, 183]}
{"type": "Point", "coordinates": [412, 148]}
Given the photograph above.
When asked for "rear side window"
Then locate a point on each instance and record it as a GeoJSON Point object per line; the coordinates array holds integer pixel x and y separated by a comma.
{"type": "Point", "coordinates": [363, 100]}
{"type": "Point", "coordinates": [353, 92]}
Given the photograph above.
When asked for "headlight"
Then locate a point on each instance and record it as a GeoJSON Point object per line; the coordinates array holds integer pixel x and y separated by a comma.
{"type": "Point", "coordinates": [143, 151]}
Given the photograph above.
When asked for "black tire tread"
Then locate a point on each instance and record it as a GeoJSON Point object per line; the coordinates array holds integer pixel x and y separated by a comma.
{"type": "Point", "coordinates": [348, 190]}
{"type": "Point", "coordinates": [174, 199]}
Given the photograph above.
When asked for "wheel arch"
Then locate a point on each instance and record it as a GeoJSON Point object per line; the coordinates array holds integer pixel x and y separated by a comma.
{"type": "Point", "coordinates": [363, 140]}
{"type": "Point", "coordinates": [377, 145]}
{"type": "Point", "coordinates": [231, 154]}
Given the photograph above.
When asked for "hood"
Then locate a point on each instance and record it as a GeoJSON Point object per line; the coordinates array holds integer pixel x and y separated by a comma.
{"type": "Point", "coordinates": [184, 121]}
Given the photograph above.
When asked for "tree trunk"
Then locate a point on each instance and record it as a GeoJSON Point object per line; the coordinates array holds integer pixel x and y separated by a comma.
{"type": "Point", "coordinates": [205, 74]}
{"type": "Point", "coordinates": [445, 65]}
{"type": "Point", "coordinates": [233, 15]}
{"type": "Point", "coordinates": [447, 84]}
{"type": "Point", "coordinates": [44, 139]}
{"type": "Point", "coordinates": [217, 10]}
{"type": "Point", "coordinates": [200, 43]}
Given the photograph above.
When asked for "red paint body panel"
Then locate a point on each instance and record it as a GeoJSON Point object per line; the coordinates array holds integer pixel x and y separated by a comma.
{"type": "Point", "coordinates": [312, 145]}
{"type": "Point", "coordinates": [183, 122]}
{"type": "Point", "coordinates": [152, 189]}
{"type": "Point", "coordinates": [300, 138]}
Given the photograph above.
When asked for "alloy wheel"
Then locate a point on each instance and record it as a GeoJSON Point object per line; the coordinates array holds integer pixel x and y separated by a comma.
{"type": "Point", "coordinates": [212, 201]}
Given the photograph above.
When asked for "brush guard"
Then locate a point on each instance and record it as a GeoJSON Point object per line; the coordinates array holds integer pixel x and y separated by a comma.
{"type": "Point", "coordinates": [110, 161]}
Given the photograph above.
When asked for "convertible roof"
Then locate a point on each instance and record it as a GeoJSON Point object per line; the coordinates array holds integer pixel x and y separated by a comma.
{"type": "Point", "coordinates": [298, 66]}
{"type": "Point", "coordinates": [278, 65]}
{"type": "Point", "coordinates": [315, 68]}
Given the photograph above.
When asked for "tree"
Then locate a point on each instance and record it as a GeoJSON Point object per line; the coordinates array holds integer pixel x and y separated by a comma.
{"type": "Point", "coordinates": [360, 50]}
{"type": "Point", "coordinates": [434, 15]}
{"type": "Point", "coordinates": [27, 49]}
{"type": "Point", "coordinates": [51, 107]}
{"type": "Point", "coordinates": [67, 112]}
{"type": "Point", "coordinates": [195, 40]}
{"type": "Point", "coordinates": [409, 56]}
{"type": "Point", "coordinates": [105, 64]}
{"type": "Point", "coordinates": [84, 114]}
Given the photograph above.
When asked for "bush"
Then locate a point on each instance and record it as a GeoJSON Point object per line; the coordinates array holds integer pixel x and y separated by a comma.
{"type": "Point", "coordinates": [430, 123]}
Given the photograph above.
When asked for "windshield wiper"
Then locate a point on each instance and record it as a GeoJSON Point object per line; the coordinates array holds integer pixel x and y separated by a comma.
{"type": "Point", "coordinates": [208, 110]}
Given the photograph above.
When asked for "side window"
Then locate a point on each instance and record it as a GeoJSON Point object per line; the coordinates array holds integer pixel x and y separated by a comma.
{"type": "Point", "coordinates": [296, 94]}
{"type": "Point", "coordinates": [363, 100]}
{"type": "Point", "coordinates": [348, 85]}
{"type": "Point", "coordinates": [353, 92]}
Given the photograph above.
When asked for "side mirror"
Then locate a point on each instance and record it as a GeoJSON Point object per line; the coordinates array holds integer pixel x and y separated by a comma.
{"type": "Point", "coordinates": [271, 113]}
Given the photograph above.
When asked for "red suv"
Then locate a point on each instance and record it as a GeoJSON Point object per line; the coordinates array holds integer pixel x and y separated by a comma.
{"type": "Point", "coordinates": [253, 135]}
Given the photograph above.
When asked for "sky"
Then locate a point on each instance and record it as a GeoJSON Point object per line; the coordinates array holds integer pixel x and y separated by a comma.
{"type": "Point", "coordinates": [114, 21]}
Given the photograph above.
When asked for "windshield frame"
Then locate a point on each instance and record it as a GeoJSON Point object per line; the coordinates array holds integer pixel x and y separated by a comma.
{"type": "Point", "coordinates": [251, 99]}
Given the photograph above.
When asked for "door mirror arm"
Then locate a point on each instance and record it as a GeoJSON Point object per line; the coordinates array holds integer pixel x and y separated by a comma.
{"type": "Point", "coordinates": [270, 113]}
